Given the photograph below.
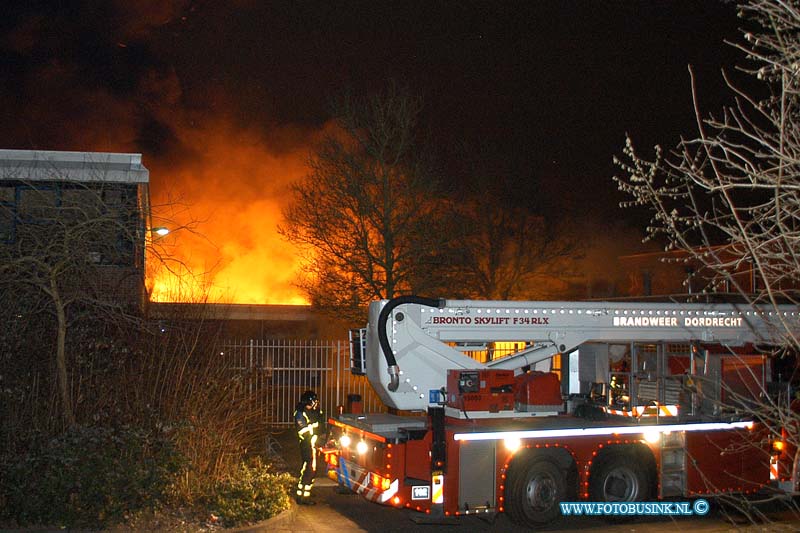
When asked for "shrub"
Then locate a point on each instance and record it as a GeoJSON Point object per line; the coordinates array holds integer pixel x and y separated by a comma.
{"type": "Point", "coordinates": [252, 492]}
{"type": "Point", "coordinates": [87, 477]}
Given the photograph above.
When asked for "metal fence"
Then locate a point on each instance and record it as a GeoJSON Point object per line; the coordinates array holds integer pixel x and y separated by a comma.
{"type": "Point", "coordinates": [275, 372]}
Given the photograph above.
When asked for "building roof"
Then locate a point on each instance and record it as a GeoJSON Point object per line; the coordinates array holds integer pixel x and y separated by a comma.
{"type": "Point", "coordinates": [220, 311]}
{"type": "Point", "coordinates": [47, 165]}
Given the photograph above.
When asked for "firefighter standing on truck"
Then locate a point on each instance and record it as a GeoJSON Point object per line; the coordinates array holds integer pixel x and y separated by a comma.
{"type": "Point", "coordinates": [310, 424]}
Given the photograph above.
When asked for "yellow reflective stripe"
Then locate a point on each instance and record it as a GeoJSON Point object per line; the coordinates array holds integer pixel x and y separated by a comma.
{"type": "Point", "coordinates": [309, 428]}
{"type": "Point", "coordinates": [438, 488]}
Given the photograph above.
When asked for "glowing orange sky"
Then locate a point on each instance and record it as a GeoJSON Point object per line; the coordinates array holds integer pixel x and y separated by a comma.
{"type": "Point", "coordinates": [234, 191]}
{"type": "Point", "coordinates": [232, 188]}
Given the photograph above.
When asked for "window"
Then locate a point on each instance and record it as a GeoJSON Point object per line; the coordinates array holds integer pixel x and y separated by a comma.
{"type": "Point", "coordinates": [7, 214]}
{"type": "Point", "coordinates": [6, 224]}
{"type": "Point", "coordinates": [108, 215]}
{"type": "Point", "coordinates": [36, 205]}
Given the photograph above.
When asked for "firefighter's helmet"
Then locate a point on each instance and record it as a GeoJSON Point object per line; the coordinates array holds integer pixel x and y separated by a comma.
{"type": "Point", "coordinates": [309, 397]}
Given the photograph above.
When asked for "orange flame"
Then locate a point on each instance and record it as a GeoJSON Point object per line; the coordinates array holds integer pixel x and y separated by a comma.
{"type": "Point", "coordinates": [234, 191]}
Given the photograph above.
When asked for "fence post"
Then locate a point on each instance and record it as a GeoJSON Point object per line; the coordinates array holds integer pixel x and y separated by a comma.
{"type": "Point", "coordinates": [338, 371]}
{"type": "Point", "coordinates": [250, 374]}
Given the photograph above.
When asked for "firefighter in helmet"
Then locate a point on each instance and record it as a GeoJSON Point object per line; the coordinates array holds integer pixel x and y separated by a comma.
{"type": "Point", "coordinates": [309, 424]}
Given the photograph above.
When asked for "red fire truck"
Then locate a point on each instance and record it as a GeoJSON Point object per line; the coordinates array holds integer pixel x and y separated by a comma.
{"type": "Point", "coordinates": [597, 401]}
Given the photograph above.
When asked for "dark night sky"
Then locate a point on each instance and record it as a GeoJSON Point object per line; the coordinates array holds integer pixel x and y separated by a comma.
{"type": "Point", "coordinates": [558, 82]}
{"type": "Point", "coordinates": [547, 89]}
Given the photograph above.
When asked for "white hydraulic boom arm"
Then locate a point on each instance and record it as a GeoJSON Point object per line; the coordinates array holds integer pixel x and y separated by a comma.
{"type": "Point", "coordinates": [408, 339]}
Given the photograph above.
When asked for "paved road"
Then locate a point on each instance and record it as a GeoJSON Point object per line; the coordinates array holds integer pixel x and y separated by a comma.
{"type": "Point", "coordinates": [348, 512]}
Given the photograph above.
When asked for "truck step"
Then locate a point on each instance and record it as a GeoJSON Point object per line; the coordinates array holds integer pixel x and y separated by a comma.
{"type": "Point", "coordinates": [673, 464]}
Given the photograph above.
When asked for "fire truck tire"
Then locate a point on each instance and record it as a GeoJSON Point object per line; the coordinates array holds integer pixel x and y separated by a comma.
{"type": "Point", "coordinates": [536, 487]}
{"type": "Point", "coordinates": [619, 477]}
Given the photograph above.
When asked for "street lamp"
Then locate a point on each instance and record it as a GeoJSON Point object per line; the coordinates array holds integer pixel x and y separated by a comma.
{"type": "Point", "coordinates": [160, 231]}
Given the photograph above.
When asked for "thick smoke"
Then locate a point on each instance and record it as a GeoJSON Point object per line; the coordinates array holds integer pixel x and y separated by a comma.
{"type": "Point", "coordinates": [100, 78]}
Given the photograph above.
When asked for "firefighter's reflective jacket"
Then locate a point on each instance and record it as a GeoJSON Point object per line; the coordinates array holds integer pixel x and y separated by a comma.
{"type": "Point", "coordinates": [309, 423]}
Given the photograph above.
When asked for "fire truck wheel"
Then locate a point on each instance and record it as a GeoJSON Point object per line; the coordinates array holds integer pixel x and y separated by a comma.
{"type": "Point", "coordinates": [619, 477]}
{"type": "Point", "coordinates": [536, 489]}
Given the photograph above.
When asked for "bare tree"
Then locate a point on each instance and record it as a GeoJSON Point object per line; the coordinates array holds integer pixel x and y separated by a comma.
{"type": "Point", "coordinates": [514, 242]}
{"type": "Point", "coordinates": [367, 214]}
{"type": "Point", "coordinates": [71, 247]}
{"type": "Point", "coordinates": [511, 253]}
{"type": "Point", "coordinates": [727, 200]}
